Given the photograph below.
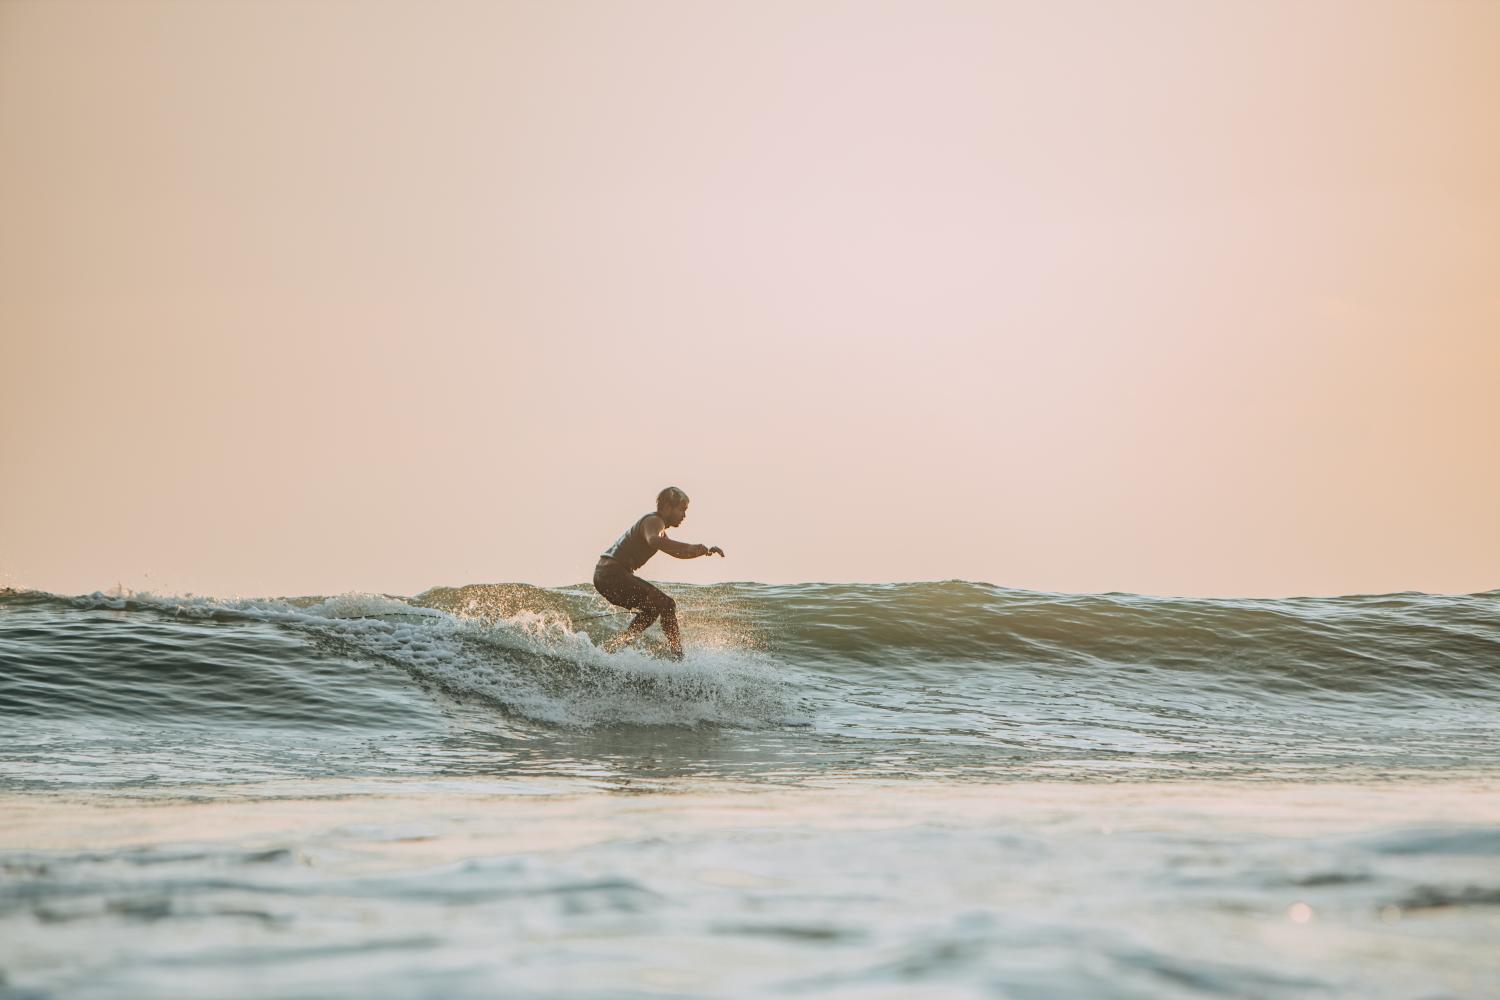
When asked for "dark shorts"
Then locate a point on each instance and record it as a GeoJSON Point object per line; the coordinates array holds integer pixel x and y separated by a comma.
{"type": "Point", "coordinates": [624, 589]}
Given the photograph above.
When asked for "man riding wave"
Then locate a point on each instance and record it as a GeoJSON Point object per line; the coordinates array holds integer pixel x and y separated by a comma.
{"type": "Point", "coordinates": [615, 579]}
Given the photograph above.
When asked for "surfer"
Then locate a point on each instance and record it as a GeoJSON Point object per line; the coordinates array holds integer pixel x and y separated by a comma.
{"type": "Point", "coordinates": [615, 577]}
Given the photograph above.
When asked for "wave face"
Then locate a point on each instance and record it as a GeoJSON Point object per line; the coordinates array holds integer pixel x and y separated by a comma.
{"type": "Point", "coordinates": [782, 683]}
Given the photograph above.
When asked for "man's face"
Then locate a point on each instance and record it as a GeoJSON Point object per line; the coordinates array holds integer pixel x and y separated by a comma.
{"type": "Point", "coordinates": [675, 513]}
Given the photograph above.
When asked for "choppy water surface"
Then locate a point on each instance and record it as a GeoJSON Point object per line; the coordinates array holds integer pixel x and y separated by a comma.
{"type": "Point", "coordinates": [475, 706]}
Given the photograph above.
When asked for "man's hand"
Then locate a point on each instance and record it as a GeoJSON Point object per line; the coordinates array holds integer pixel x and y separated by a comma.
{"type": "Point", "coordinates": [709, 550]}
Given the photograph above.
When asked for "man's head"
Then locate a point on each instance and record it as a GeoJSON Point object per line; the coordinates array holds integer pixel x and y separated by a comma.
{"type": "Point", "coordinates": [672, 505]}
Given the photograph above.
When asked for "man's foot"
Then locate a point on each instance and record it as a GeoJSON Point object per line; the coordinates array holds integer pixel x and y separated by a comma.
{"type": "Point", "coordinates": [674, 654]}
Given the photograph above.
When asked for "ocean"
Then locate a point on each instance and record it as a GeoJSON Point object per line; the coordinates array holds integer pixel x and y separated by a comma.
{"type": "Point", "coordinates": [848, 790]}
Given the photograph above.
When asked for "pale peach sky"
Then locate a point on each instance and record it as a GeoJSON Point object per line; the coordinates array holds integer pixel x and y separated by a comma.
{"type": "Point", "coordinates": [1189, 298]}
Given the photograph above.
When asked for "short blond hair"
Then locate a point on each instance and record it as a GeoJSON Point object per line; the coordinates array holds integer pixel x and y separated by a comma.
{"type": "Point", "coordinates": [670, 497]}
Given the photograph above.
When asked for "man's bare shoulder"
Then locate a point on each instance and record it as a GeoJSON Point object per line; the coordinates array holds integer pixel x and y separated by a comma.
{"type": "Point", "coordinates": [653, 528]}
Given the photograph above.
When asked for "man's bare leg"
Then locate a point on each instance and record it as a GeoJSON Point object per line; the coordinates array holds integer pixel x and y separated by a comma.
{"type": "Point", "coordinates": [639, 624]}
{"type": "Point", "coordinates": [674, 634]}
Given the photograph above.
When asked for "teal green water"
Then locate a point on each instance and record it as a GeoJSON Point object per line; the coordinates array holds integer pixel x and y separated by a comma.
{"type": "Point", "coordinates": [782, 683]}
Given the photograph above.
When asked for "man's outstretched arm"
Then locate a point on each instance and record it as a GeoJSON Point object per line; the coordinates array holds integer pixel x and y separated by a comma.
{"type": "Point", "coordinates": [656, 534]}
{"type": "Point", "coordinates": [687, 550]}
